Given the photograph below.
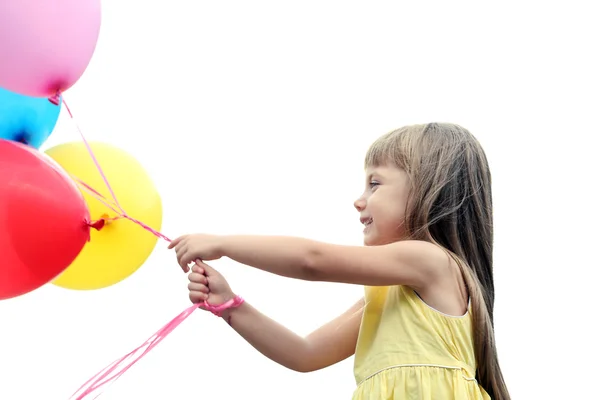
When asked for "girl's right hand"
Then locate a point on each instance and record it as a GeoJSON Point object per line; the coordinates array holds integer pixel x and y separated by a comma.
{"type": "Point", "coordinates": [206, 284]}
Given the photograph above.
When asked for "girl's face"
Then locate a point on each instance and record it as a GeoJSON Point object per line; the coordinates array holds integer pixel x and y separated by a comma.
{"type": "Point", "coordinates": [382, 205]}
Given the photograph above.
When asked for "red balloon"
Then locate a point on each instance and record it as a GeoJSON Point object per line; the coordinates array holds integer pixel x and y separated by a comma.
{"type": "Point", "coordinates": [43, 219]}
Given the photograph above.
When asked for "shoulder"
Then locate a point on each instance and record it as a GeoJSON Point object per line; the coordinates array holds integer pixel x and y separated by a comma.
{"type": "Point", "coordinates": [420, 251]}
{"type": "Point", "coordinates": [430, 262]}
{"type": "Point", "coordinates": [439, 282]}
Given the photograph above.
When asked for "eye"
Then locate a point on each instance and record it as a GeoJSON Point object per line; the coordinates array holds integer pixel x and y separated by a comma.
{"type": "Point", "coordinates": [373, 184]}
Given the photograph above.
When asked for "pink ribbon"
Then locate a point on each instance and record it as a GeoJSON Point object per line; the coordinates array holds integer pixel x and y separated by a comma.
{"type": "Point", "coordinates": [121, 365]}
{"type": "Point", "coordinates": [103, 377]}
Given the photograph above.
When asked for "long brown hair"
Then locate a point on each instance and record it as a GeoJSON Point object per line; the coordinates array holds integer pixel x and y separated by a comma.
{"type": "Point", "coordinates": [451, 205]}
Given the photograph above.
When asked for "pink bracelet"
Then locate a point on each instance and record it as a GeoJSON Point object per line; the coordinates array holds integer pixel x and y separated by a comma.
{"type": "Point", "coordinates": [218, 309]}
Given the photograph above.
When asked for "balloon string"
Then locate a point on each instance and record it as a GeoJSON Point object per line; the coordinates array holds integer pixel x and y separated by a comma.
{"type": "Point", "coordinates": [122, 212]}
{"type": "Point", "coordinates": [99, 224]}
{"type": "Point", "coordinates": [94, 159]}
{"type": "Point", "coordinates": [95, 193]}
{"type": "Point", "coordinates": [101, 378]}
{"type": "Point", "coordinates": [97, 382]}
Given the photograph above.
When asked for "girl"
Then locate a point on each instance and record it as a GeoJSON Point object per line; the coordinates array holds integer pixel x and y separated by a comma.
{"type": "Point", "coordinates": [424, 329]}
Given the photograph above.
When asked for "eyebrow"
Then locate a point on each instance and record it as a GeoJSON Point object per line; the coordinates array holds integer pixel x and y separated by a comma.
{"type": "Point", "coordinates": [373, 174]}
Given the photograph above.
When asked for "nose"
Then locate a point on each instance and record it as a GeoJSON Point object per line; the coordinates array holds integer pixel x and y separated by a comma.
{"type": "Point", "coordinates": [360, 204]}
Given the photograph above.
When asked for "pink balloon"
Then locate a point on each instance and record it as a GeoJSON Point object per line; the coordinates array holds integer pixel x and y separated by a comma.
{"type": "Point", "coordinates": [46, 45]}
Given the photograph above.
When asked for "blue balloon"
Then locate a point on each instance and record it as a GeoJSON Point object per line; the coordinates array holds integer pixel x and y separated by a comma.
{"type": "Point", "coordinates": [28, 120]}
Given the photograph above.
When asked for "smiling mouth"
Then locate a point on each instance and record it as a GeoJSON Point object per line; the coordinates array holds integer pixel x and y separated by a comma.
{"type": "Point", "coordinates": [368, 222]}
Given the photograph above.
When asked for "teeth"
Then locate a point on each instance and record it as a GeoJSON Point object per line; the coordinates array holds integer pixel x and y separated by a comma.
{"type": "Point", "coordinates": [368, 222]}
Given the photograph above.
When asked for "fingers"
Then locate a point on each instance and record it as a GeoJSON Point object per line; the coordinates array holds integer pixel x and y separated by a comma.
{"type": "Point", "coordinates": [185, 267]}
{"type": "Point", "coordinates": [181, 250]}
{"type": "Point", "coordinates": [206, 269]}
{"type": "Point", "coordinates": [198, 288]}
{"type": "Point", "coordinates": [185, 262]}
{"type": "Point", "coordinates": [197, 296]}
{"type": "Point", "coordinates": [198, 267]}
{"type": "Point", "coordinates": [175, 242]}
{"type": "Point", "coordinates": [196, 277]}
{"type": "Point", "coordinates": [183, 257]}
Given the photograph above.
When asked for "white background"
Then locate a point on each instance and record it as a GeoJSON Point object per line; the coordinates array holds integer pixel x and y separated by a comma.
{"type": "Point", "coordinates": [254, 116]}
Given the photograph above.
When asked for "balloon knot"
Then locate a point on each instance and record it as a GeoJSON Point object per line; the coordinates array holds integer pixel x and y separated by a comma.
{"type": "Point", "coordinates": [100, 223]}
{"type": "Point", "coordinates": [55, 99]}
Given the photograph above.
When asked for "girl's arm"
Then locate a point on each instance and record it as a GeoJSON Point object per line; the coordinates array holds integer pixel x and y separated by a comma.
{"type": "Point", "coordinates": [326, 346]}
{"type": "Point", "coordinates": [411, 262]}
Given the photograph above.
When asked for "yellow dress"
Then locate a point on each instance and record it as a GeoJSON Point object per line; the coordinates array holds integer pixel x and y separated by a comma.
{"type": "Point", "coordinates": [407, 350]}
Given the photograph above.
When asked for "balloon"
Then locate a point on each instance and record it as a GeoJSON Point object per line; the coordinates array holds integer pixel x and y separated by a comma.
{"type": "Point", "coordinates": [46, 45]}
{"type": "Point", "coordinates": [28, 120]}
{"type": "Point", "coordinates": [43, 219]}
{"type": "Point", "coordinates": [121, 247]}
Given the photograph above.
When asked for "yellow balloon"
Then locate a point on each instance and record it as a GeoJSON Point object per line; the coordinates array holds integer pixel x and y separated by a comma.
{"type": "Point", "coordinates": [121, 247]}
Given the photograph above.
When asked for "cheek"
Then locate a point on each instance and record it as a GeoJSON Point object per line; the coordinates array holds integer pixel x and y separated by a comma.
{"type": "Point", "coordinates": [388, 213]}
{"type": "Point", "coordinates": [395, 220]}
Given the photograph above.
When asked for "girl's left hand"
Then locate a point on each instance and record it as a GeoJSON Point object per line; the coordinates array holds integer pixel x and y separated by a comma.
{"type": "Point", "coordinates": [190, 248]}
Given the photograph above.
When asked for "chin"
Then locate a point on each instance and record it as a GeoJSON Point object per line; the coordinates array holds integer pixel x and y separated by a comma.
{"type": "Point", "coordinates": [370, 241]}
{"type": "Point", "coordinates": [378, 241]}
